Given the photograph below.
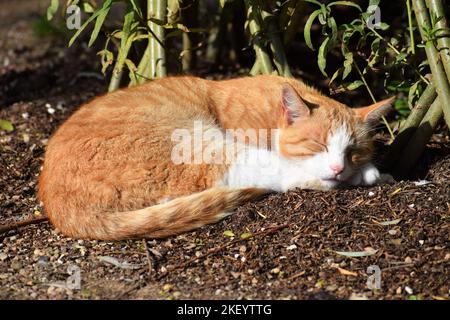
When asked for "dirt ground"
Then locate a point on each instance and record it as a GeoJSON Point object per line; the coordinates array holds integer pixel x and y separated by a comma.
{"type": "Point", "coordinates": [286, 246]}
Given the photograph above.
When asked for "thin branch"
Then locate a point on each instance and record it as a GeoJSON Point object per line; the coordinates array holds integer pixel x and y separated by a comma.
{"type": "Point", "coordinates": [183, 265]}
{"type": "Point", "coordinates": [276, 45]}
{"type": "Point", "coordinates": [410, 125]}
{"type": "Point", "coordinates": [410, 27]}
{"type": "Point", "coordinates": [255, 26]}
{"type": "Point", "coordinates": [419, 140]}
{"type": "Point", "coordinates": [147, 254]}
{"type": "Point", "coordinates": [13, 226]}
{"type": "Point", "coordinates": [439, 77]}
{"type": "Point", "coordinates": [443, 35]}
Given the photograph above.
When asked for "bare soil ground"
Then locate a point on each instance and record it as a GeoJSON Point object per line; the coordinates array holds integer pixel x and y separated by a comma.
{"type": "Point", "coordinates": [291, 241]}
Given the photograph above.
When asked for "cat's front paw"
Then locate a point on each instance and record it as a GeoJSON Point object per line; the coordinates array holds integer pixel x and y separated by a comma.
{"type": "Point", "coordinates": [370, 175]}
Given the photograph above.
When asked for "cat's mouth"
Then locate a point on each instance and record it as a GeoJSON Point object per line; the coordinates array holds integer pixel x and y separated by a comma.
{"type": "Point", "coordinates": [331, 180]}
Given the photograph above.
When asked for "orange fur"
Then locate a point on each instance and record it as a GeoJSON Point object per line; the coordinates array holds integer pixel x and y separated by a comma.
{"type": "Point", "coordinates": [109, 165]}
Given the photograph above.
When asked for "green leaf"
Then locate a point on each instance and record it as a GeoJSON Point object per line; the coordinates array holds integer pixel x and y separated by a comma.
{"type": "Point", "coordinates": [132, 67]}
{"type": "Point", "coordinates": [89, 20]}
{"type": "Point", "coordinates": [412, 93]}
{"type": "Point", "coordinates": [88, 8]}
{"type": "Point", "coordinates": [400, 57]}
{"type": "Point", "coordinates": [52, 8]}
{"type": "Point", "coordinates": [376, 52]}
{"type": "Point", "coordinates": [6, 125]}
{"type": "Point", "coordinates": [348, 64]}
{"type": "Point", "coordinates": [401, 106]}
{"type": "Point", "coordinates": [307, 29]}
{"type": "Point", "coordinates": [107, 59]}
{"type": "Point", "coordinates": [334, 33]}
{"type": "Point", "coordinates": [345, 3]}
{"type": "Point", "coordinates": [335, 75]}
{"type": "Point", "coordinates": [356, 254]}
{"type": "Point", "coordinates": [383, 26]}
{"type": "Point", "coordinates": [246, 235]}
{"type": "Point", "coordinates": [321, 58]}
{"type": "Point", "coordinates": [349, 86]}
{"type": "Point", "coordinates": [99, 21]}
{"type": "Point", "coordinates": [228, 233]}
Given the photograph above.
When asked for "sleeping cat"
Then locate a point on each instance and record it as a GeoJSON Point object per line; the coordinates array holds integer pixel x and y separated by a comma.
{"type": "Point", "coordinates": [109, 171]}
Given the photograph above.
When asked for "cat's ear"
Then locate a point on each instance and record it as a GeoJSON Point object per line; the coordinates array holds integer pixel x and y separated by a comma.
{"type": "Point", "coordinates": [372, 114]}
{"type": "Point", "coordinates": [293, 105]}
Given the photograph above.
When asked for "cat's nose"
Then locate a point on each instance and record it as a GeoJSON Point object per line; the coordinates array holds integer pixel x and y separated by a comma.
{"type": "Point", "coordinates": [337, 168]}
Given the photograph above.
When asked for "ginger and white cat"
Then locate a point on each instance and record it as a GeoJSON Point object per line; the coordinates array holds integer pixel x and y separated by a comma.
{"type": "Point", "coordinates": [109, 171]}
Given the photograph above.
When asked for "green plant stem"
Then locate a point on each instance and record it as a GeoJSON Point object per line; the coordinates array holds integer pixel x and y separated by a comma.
{"type": "Point", "coordinates": [276, 45]}
{"type": "Point", "coordinates": [410, 125]}
{"type": "Point", "coordinates": [420, 109]}
{"type": "Point", "coordinates": [189, 17]}
{"type": "Point", "coordinates": [439, 77]}
{"type": "Point", "coordinates": [410, 26]}
{"type": "Point", "coordinates": [391, 133]}
{"type": "Point", "coordinates": [124, 48]}
{"type": "Point", "coordinates": [398, 53]}
{"type": "Point", "coordinates": [256, 69]}
{"type": "Point", "coordinates": [255, 25]}
{"type": "Point", "coordinates": [158, 58]}
{"type": "Point", "coordinates": [173, 8]}
{"type": "Point", "coordinates": [419, 140]}
{"type": "Point", "coordinates": [443, 36]}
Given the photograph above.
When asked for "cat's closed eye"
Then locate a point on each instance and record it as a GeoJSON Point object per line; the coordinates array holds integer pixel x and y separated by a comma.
{"type": "Point", "coordinates": [314, 146]}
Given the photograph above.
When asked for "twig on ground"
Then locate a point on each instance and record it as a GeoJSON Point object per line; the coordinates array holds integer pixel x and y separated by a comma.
{"type": "Point", "coordinates": [16, 225]}
{"type": "Point", "coordinates": [147, 254]}
{"type": "Point", "coordinates": [183, 265]}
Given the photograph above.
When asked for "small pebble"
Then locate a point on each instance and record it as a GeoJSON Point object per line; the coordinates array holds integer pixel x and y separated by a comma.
{"type": "Point", "coordinates": [3, 256]}
{"type": "Point", "coordinates": [292, 247]}
{"type": "Point", "coordinates": [26, 137]}
{"type": "Point", "coordinates": [275, 270]}
{"type": "Point", "coordinates": [167, 287]}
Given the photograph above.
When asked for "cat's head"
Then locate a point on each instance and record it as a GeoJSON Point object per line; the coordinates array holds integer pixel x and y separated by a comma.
{"type": "Point", "coordinates": [329, 141]}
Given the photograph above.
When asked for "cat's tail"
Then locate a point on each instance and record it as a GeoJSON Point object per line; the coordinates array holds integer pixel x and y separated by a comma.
{"type": "Point", "coordinates": [162, 220]}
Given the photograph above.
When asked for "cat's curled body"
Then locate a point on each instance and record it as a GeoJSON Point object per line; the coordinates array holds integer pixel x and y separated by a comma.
{"type": "Point", "coordinates": [109, 171]}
